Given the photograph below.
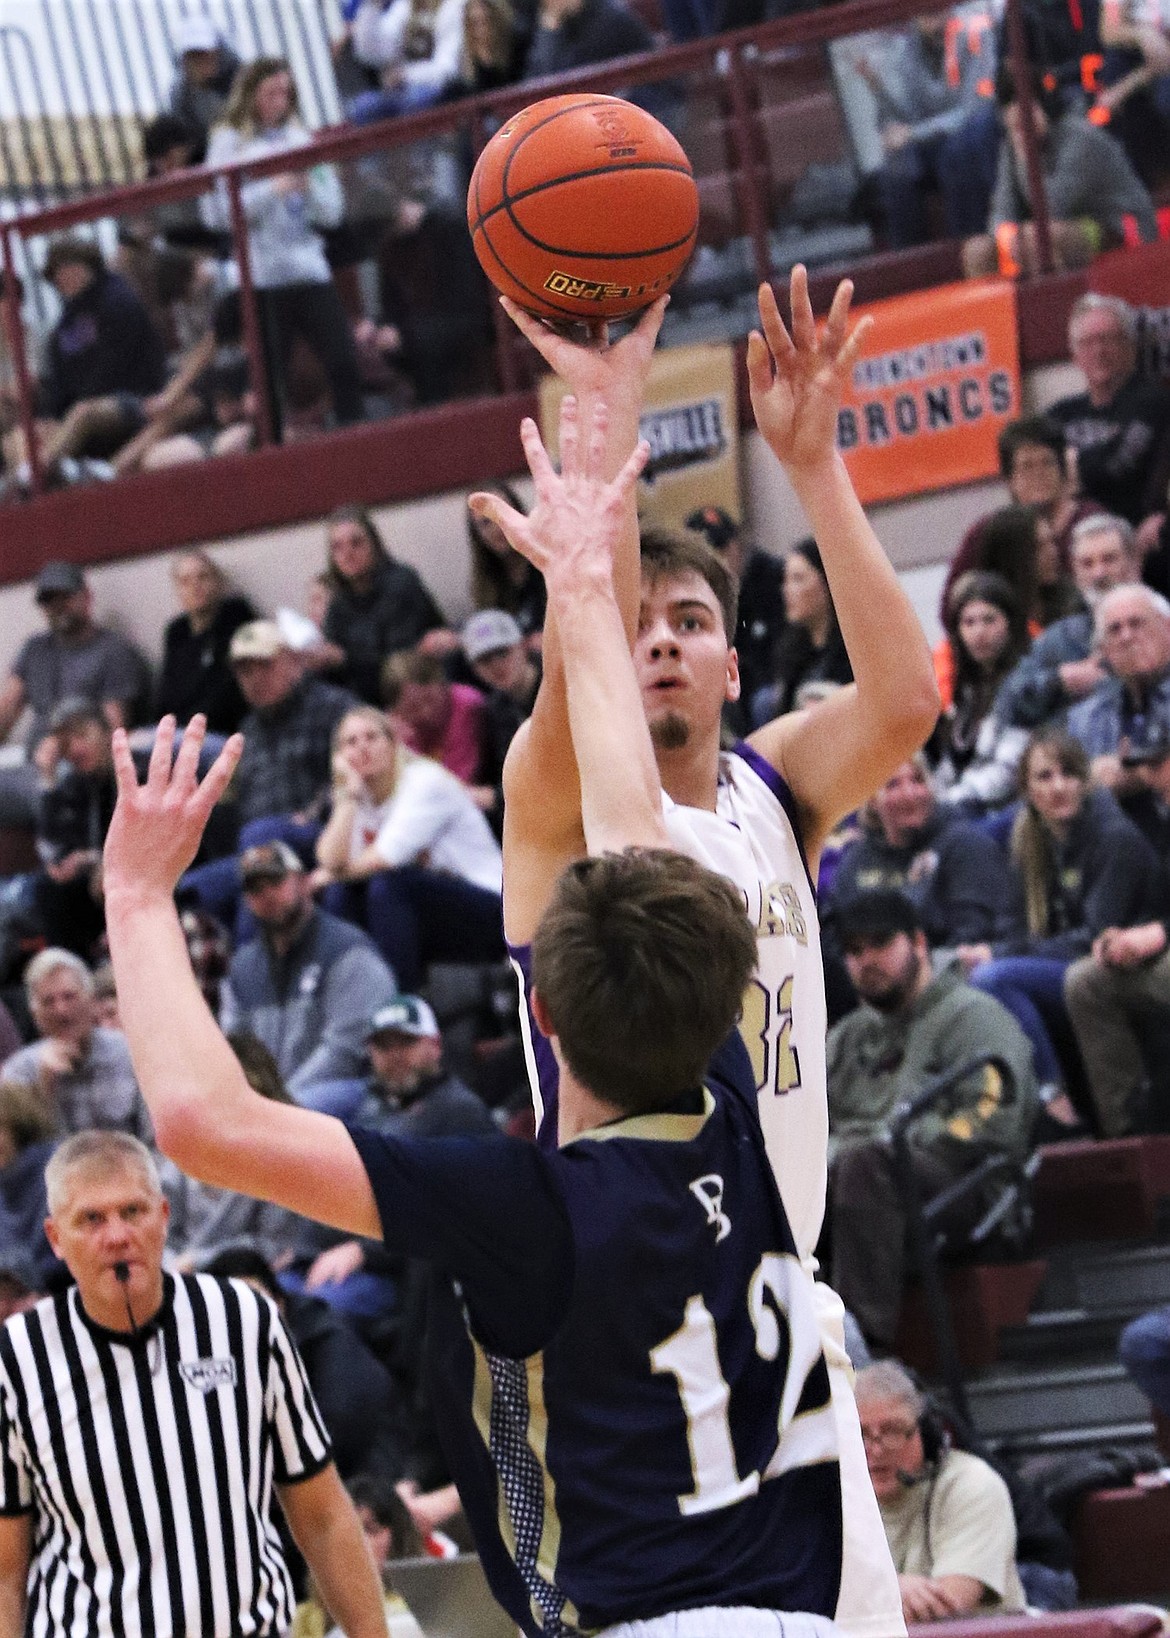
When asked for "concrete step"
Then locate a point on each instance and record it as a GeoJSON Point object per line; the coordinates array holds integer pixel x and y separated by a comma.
{"type": "Point", "coordinates": [1056, 1335]}
{"type": "Point", "coordinates": [1016, 1403]}
{"type": "Point", "coordinates": [1100, 1279]}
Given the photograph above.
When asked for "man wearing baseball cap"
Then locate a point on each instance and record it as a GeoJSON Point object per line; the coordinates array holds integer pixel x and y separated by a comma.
{"type": "Point", "coordinates": [307, 983]}
{"type": "Point", "coordinates": [205, 67]}
{"type": "Point", "coordinates": [761, 599]}
{"type": "Point", "coordinates": [75, 658]}
{"type": "Point", "coordinates": [502, 663]}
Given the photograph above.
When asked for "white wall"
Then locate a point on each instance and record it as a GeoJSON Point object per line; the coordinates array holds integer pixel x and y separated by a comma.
{"type": "Point", "coordinates": [274, 568]}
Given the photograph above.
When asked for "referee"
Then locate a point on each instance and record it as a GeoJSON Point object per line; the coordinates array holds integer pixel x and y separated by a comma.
{"type": "Point", "coordinates": [144, 1423]}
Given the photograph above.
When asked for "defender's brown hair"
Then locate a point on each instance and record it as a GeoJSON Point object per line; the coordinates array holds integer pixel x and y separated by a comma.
{"type": "Point", "coordinates": [641, 960]}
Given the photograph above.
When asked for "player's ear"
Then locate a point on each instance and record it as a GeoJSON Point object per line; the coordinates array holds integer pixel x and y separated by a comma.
{"type": "Point", "coordinates": [540, 1012]}
{"type": "Point", "coordinates": [732, 689]}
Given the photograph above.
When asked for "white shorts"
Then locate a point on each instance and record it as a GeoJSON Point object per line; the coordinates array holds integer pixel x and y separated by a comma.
{"type": "Point", "coordinates": [734, 1622]}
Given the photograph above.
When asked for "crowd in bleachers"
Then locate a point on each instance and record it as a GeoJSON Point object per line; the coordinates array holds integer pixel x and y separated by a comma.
{"type": "Point", "coordinates": [368, 295]}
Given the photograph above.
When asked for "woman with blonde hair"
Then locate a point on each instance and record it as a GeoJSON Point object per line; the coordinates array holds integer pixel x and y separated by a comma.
{"type": "Point", "coordinates": [1077, 866]}
{"type": "Point", "coordinates": [407, 854]}
{"type": "Point", "coordinates": [294, 284]}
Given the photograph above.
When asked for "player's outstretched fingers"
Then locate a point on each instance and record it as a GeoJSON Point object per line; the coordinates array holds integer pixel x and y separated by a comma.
{"type": "Point", "coordinates": [650, 322]}
{"type": "Point", "coordinates": [187, 762]}
{"type": "Point", "coordinates": [539, 464]}
{"type": "Point", "coordinates": [847, 356]}
{"type": "Point", "coordinates": [125, 773]}
{"type": "Point", "coordinates": [837, 323]}
{"type": "Point", "coordinates": [774, 332]}
{"type": "Point", "coordinates": [804, 325]}
{"type": "Point", "coordinates": [595, 451]}
{"type": "Point", "coordinates": [219, 776]}
{"type": "Point", "coordinates": [158, 771]}
{"type": "Point", "coordinates": [570, 437]}
{"type": "Point", "coordinates": [632, 470]}
{"type": "Point", "coordinates": [514, 524]}
{"type": "Point", "coordinates": [759, 364]}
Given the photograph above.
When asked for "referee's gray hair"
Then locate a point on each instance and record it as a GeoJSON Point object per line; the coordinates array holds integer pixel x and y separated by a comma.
{"type": "Point", "coordinates": [1093, 302]}
{"type": "Point", "coordinates": [1138, 589]}
{"type": "Point", "coordinates": [886, 1379]}
{"type": "Point", "coordinates": [99, 1151]}
{"type": "Point", "coordinates": [1104, 523]}
{"type": "Point", "coordinates": [53, 960]}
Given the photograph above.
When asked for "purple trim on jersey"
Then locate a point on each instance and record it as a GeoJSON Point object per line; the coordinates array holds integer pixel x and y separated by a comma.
{"type": "Point", "coordinates": [782, 791]}
{"type": "Point", "coordinates": [548, 1073]}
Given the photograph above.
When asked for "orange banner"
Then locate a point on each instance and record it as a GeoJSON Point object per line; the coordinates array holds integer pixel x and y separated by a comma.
{"type": "Point", "coordinates": [938, 378]}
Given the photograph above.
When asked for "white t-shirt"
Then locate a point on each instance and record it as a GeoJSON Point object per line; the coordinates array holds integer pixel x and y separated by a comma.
{"type": "Point", "coordinates": [430, 820]}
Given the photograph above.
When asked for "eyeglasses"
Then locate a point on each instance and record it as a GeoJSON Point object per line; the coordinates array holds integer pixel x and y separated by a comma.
{"type": "Point", "coordinates": [888, 1433]}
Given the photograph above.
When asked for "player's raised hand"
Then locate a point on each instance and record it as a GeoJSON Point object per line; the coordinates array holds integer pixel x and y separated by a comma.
{"type": "Point", "coordinates": [578, 517]}
{"type": "Point", "coordinates": [796, 379]}
{"type": "Point", "coordinates": [595, 367]}
{"type": "Point", "coordinates": [157, 825]}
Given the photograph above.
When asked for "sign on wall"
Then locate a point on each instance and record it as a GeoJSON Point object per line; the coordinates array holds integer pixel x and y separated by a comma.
{"type": "Point", "coordinates": [691, 422]}
{"type": "Point", "coordinates": [938, 378]}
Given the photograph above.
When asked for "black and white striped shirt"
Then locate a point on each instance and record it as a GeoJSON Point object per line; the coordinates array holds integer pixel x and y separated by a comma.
{"type": "Point", "coordinates": [148, 1463]}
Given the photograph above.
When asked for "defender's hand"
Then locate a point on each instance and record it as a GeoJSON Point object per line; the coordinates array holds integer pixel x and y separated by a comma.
{"type": "Point", "coordinates": [796, 379]}
{"type": "Point", "coordinates": [157, 826]}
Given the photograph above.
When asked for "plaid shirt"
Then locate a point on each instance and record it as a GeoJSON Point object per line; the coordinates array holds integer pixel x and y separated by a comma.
{"type": "Point", "coordinates": [285, 768]}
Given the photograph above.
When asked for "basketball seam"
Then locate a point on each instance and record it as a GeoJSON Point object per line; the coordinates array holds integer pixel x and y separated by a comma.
{"type": "Point", "coordinates": [540, 295]}
{"type": "Point", "coordinates": [509, 200]}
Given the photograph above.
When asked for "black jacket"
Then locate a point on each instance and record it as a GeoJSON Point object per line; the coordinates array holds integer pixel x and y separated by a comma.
{"type": "Point", "coordinates": [393, 616]}
{"type": "Point", "coordinates": [103, 343]}
{"type": "Point", "coordinates": [196, 675]}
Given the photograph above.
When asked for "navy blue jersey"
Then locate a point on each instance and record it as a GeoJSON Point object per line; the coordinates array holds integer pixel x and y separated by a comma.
{"type": "Point", "coordinates": [627, 1369]}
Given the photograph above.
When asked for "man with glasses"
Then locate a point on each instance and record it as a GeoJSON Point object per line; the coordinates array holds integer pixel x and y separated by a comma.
{"type": "Point", "coordinates": [948, 1514]}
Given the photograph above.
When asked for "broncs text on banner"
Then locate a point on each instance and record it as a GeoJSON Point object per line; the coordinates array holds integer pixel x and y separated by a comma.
{"type": "Point", "coordinates": [938, 378]}
{"type": "Point", "coordinates": [690, 419]}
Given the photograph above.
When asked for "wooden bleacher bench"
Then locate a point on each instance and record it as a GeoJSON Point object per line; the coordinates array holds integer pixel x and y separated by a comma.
{"type": "Point", "coordinates": [985, 1299]}
{"type": "Point", "coordinates": [1100, 1189]}
{"type": "Point", "coordinates": [1117, 1621]}
{"type": "Point", "coordinates": [1121, 1543]}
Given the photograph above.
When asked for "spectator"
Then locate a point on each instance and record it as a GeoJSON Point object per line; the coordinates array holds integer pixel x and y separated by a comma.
{"type": "Point", "coordinates": [1090, 185]}
{"type": "Point", "coordinates": [28, 1136]}
{"type": "Point", "coordinates": [1118, 429]}
{"type": "Point", "coordinates": [932, 81]}
{"type": "Point", "coordinates": [105, 997]}
{"type": "Point", "coordinates": [1063, 665]}
{"type": "Point", "coordinates": [1117, 997]}
{"type": "Point", "coordinates": [104, 357]}
{"type": "Point", "coordinates": [75, 658]}
{"type": "Point", "coordinates": [170, 144]}
{"type": "Point", "coordinates": [20, 1286]}
{"type": "Point", "coordinates": [912, 1026]}
{"type": "Point", "coordinates": [500, 577]}
{"type": "Point", "coordinates": [760, 577]}
{"type": "Point", "coordinates": [1144, 1350]}
{"type": "Point", "coordinates": [434, 716]}
{"type": "Point", "coordinates": [308, 983]}
{"type": "Point", "coordinates": [948, 1514]}
{"type": "Point", "coordinates": [573, 33]}
{"type": "Point", "coordinates": [494, 647]}
{"type": "Point", "coordinates": [294, 284]}
{"type": "Point", "coordinates": [493, 47]}
{"type": "Point", "coordinates": [353, 1389]}
{"type": "Point", "coordinates": [811, 648]}
{"type": "Point", "coordinates": [416, 46]}
{"type": "Point", "coordinates": [1078, 865]}
{"type": "Point", "coordinates": [1033, 463]}
{"type": "Point", "coordinates": [75, 813]}
{"type": "Point", "coordinates": [196, 675]}
{"type": "Point", "coordinates": [82, 1072]}
{"type": "Point", "coordinates": [206, 1220]}
{"type": "Point", "coordinates": [1128, 713]}
{"type": "Point", "coordinates": [951, 871]}
{"type": "Point", "coordinates": [407, 854]}
{"type": "Point", "coordinates": [1135, 80]}
{"type": "Point", "coordinates": [377, 606]}
{"type": "Point", "coordinates": [206, 70]}
{"type": "Point", "coordinates": [978, 752]}
{"type": "Point", "coordinates": [407, 1094]}
{"type": "Point", "coordinates": [285, 766]}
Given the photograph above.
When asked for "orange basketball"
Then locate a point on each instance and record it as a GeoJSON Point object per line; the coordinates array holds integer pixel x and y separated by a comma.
{"type": "Point", "coordinates": [583, 207]}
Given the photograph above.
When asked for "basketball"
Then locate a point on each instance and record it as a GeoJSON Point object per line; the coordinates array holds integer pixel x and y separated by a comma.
{"type": "Point", "coordinates": [583, 207]}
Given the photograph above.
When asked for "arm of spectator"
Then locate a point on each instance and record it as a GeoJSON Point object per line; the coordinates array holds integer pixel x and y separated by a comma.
{"type": "Point", "coordinates": [12, 698]}
{"type": "Point", "coordinates": [326, 1527]}
{"type": "Point", "coordinates": [938, 1598]}
{"type": "Point", "coordinates": [1006, 204]}
{"type": "Point", "coordinates": [1120, 29]}
{"type": "Point", "coordinates": [429, 1509]}
{"type": "Point", "coordinates": [354, 988]}
{"type": "Point", "coordinates": [15, 1557]}
{"type": "Point", "coordinates": [378, 34]}
{"type": "Point", "coordinates": [885, 715]}
{"type": "Point", "coordinates": [335, 1265]}
{"type": "Point", "coordinates": [191, 366]}
{"type": "Point", "coordinates": [1126, 947]}
{"type": "Point", "coordinates": [324, 195]}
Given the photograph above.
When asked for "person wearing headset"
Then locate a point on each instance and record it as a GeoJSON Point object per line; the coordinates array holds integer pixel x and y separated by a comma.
{"type": "Point", "coordinates": [947, 1513]}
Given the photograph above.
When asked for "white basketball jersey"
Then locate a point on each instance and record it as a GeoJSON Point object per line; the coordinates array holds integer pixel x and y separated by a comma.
{"type": "Point", "coordinates": [751, 839]}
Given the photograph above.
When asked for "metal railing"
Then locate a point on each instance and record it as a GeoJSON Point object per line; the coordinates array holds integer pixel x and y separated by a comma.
{"type": "Point", "coordinates": [79, 78]}
{"type": "Point", "coordinates": [729, 62]}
